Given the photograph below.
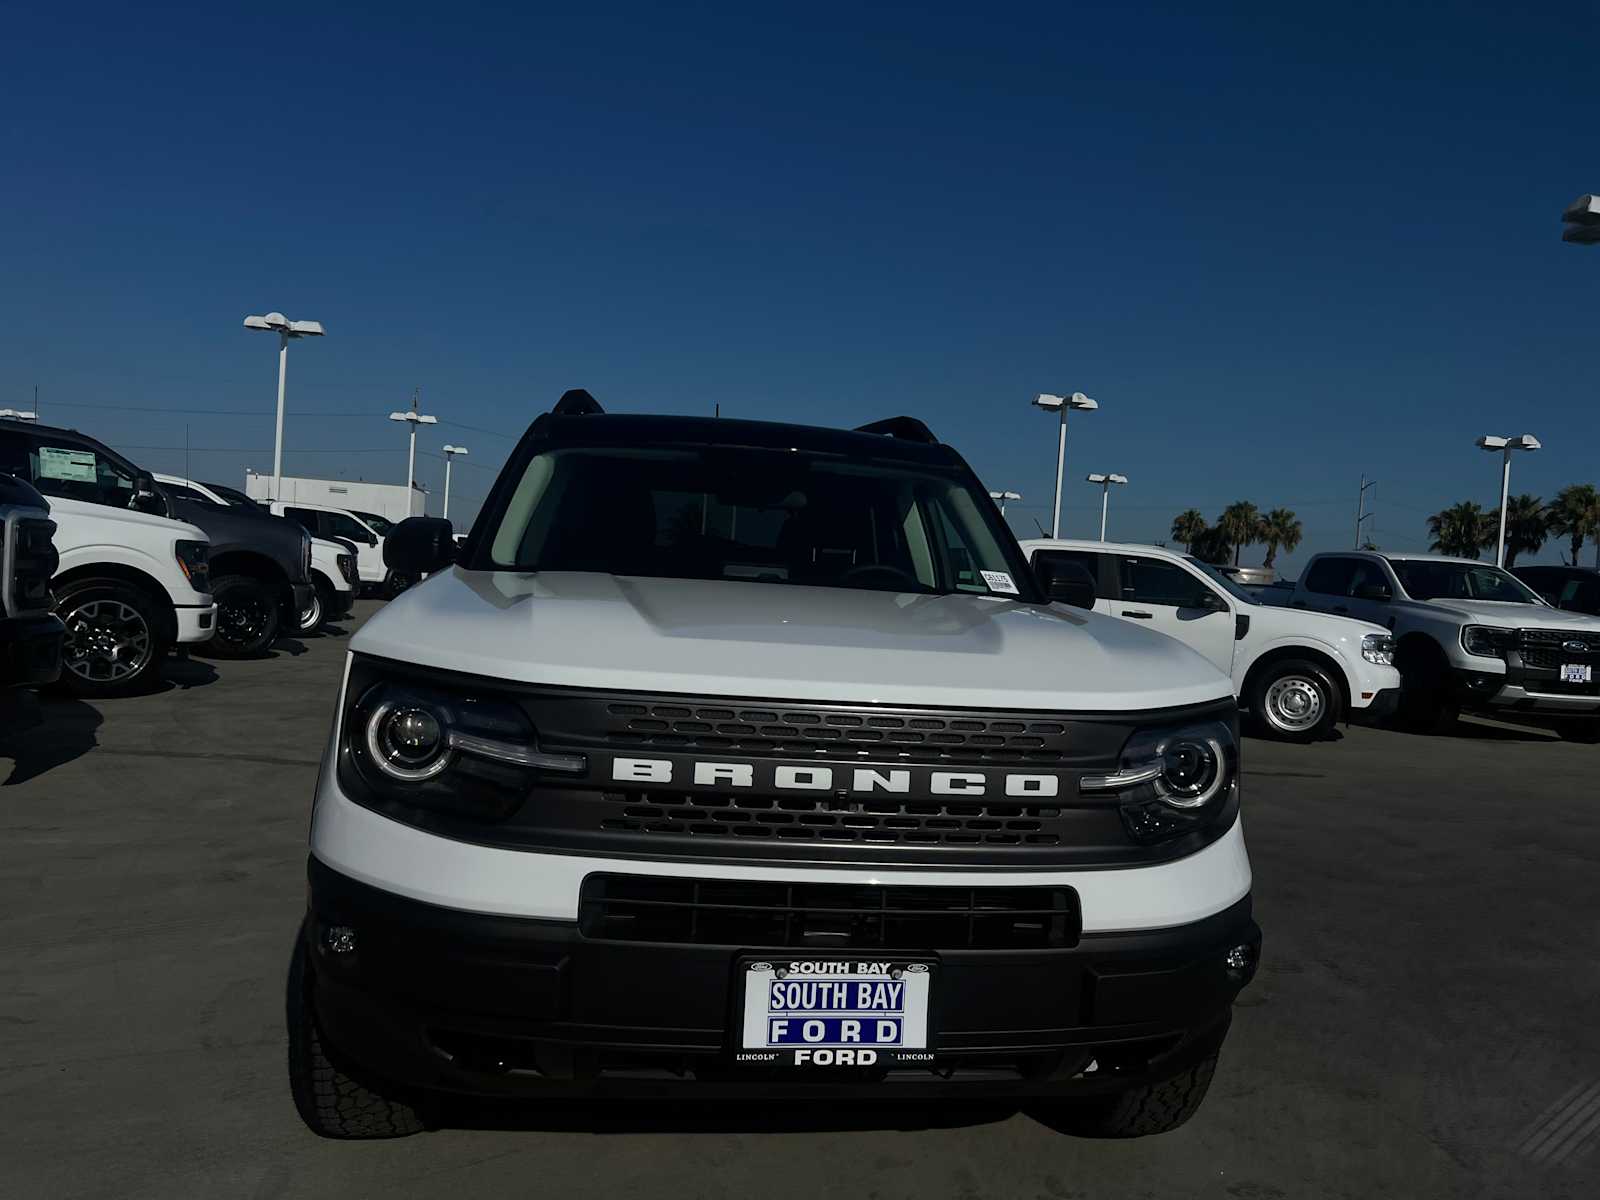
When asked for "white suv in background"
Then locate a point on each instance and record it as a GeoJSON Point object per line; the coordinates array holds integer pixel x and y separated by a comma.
{"type": "Point", "coordinates": [130, 584]}
{"type": "Point", "coordinates": [1296, 672]}
{"type": "Point", "coordinates": [323, 521]}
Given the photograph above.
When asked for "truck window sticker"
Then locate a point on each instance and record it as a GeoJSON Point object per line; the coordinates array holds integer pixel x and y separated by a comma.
{"type": "Point", "coordinates": [70, 466]}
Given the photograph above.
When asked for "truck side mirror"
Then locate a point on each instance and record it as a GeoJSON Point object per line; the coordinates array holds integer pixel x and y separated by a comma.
{"type": "Point", "coordinates": [419, 546]}
{"type": "Point", "coordinates": [147, 498]}
{"type": "Point", "coordinates": [1068, 582]}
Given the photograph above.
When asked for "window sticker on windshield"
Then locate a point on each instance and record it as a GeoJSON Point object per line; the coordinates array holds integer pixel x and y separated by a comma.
{"type": "Point", "coordinates": [999, 581]}
{"type": "Point", "coordinates": [76, 466]}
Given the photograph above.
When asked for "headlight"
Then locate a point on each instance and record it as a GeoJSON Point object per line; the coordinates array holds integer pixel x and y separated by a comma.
{"type": "Point", "coordinates": [1487, 640]}
{"type": "Point", "coordinates": [1378, 648]}
{"type": "Point", "coordinates": [1171, 781]}
{"type": "Point", "coordinates": [305, 555]}
{"type": "Point", "coordinates": [194, 560]}
{"type": "Point", "coordinates": [431, 748]}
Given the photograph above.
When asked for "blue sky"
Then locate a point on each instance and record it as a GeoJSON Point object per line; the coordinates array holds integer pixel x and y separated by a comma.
{"type": "Point", "coordinates": [1283, 245]}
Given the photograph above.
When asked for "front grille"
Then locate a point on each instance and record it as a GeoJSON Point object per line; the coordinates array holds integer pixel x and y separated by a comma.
{"type": "Point", "coordinates": [759, 914]}
{"type": "Point", "coordinates": [1543, 650]}
{"type": "Point", "coordinates": [882, 820]}
{"type": "Point", "coordinates": [32, 561]}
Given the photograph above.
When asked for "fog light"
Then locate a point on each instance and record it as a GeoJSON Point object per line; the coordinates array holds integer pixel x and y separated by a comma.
{"type": "Point", "coordinates": [1240, 962]}
{"type": "Point", "coordinates": [339, 939]}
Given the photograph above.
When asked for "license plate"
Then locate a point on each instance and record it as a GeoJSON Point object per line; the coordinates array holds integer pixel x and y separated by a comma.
{"type": "Point", "coordinates": [835, 1012]}
{"type": "Point", "coordinates": [1577, 673]}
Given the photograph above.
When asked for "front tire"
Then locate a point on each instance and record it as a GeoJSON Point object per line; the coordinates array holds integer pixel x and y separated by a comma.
{"type": "Point", "coordinates": [247, 617]}
{"type": "Point", "coordinates": [1295, 701]}
{"type": "Point", "coordinates": [113, 644]}
{"type": "Point", "coordinates": [332, 1103]}
{"type": "Point", "coordinates": [315, 614]}
{"type": "Point", "coordinates": [1426, 705]}
{"type": "Point", "coordinates": [1157, 1107]}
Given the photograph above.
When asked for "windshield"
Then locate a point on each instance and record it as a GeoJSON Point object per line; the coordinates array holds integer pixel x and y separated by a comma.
{"type": "Point", "coordinates": [766, 516]}
{"type": "Point", "coordinates": [232, 495]}
{"type": "Point", "coordinates": [380, 525]}
{"type": "Point", "coordinates": [1222, 581]}
{"type": "Point", "coordinates": [1425, 579]}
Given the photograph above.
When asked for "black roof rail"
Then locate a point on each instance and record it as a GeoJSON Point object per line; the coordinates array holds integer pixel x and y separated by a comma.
{"type": "Point", "coordinates": [907, 429]}
{"type": "Point", "coordinates": [576, 402]}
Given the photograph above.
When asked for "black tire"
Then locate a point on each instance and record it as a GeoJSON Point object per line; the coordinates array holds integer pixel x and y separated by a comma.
{"type": "Point", "coordinates": [114, 643]}
{"type": "Point", "coordinates": [247, 618]}
{"type": "Point", "coordinates": [315, 614]}
{"type": "Point", "coordinates": [333, 1103]}
{"type": "Point", "coordinates": [1157, 1107]}
{"type": "Point", "coordinates": [1426, 703]}
{"type": "Point", "coordinates": [394, 583]}
{"type": "Point", "coordinates": [1295, 700]}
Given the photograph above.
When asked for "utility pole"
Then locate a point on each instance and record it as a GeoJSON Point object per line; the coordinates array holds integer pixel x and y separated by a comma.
{"type": "Point", "coordinates": [1361, 507]}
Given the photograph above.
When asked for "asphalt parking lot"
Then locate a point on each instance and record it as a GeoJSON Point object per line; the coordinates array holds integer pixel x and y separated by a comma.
{"type": "Point", "coordinates": [1423, 1024]}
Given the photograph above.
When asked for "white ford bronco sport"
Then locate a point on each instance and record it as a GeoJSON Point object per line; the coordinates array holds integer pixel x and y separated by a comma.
{"type": "Point", "coordinates": [744, 759]}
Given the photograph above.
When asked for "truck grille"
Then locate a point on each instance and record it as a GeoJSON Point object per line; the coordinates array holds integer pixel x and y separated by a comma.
{"type": "Point", "coordinates": [759, 914]}
{"type": "Point", "coordinates": [31, 560]}
{"type": "Point", "coordinates": [1542, 648]}
{"type": "Point", "coordinates": [882, 820]}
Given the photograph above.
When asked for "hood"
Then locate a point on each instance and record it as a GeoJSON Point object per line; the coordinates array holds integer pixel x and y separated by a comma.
{"type": "Point", "coordinates": [1332, 626]}
{"type": "Point", "coordinates": [234, 529]}
{"type": "Point", "coordinates": [776, 641]}
{"type": "Point", "coordinates": [1518, 616]}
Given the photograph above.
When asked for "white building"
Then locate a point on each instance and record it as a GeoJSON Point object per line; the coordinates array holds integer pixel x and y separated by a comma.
{"type": "Point", "coordinates": [386, 499]}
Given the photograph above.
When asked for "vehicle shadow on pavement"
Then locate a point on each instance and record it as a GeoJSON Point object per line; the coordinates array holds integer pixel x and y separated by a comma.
{"type": "Point", "coordinates": [713, 1116]}
{"type": "Point", "coordinates": [40, 735]}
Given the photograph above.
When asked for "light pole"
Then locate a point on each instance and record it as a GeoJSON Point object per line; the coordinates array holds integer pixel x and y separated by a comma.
{"type": "Point", "coordinates": [276, 322]}
{"type": "Point", "coordinates": [1504, 447]}
{"type": "Point", "coordinates": [1583, 221]}
{"type": "Point", "coordinates": [1003, 497]}
{"type": "Point", "coordinates": [1061, 404]}
{"type": "Point", "coordinates": [449, 454]}
{"type": "Point", "coordinates": [413, 418]}
{"type": "Point", "coordinates": [1105, 482]}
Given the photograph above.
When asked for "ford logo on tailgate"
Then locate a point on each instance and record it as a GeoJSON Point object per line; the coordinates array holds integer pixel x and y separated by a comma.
{"type": "Point", "coordinates": [1575, 647]}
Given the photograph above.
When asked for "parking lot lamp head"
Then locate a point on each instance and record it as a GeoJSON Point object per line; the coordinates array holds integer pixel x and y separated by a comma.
{"type": "Point", "coordinates": [1582, 221]}
{"type": "Point", "coordinates": [1503, 446]}
{"type": "Point", "coordinates": [1060, 405]}
{"type": "Point", "coordinates": [413, 418]}
{"type": "Point", "coordinates": [1003, 497]}
{"type": "Point", "coordinates": [276, 322]}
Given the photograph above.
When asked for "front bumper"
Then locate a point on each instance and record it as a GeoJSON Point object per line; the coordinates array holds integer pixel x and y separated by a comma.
{"type": "Point", "coordinates": [438, 998]}
{"type": "Point", "coordinates": [30, 650]}
{"type": "Point", "coordinates": [341, 604]}
{"type": "Point", "coordinates": [197, 623]}
{"type": "Point", "coordinates": [301, 596]}
{"type": "Point", "coordinates": [1528, 689]}
{"type": "Point", "coordinates": [1380, 708]}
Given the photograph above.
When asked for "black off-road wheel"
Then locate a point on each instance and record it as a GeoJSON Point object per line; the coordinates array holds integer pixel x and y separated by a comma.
{"type": "Point", "coordinates": [1157, 1107]}
{"type": "Point", "coordinates": [113, 644]}
{"type": "Point", "coordinates": [247, 618]}
{"type": "Point", "coordinates": [332, 1102]}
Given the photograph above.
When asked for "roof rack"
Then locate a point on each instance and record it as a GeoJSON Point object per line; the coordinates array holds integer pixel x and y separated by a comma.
{"type": "Point", "coordinates": [576, 402]}
{"type": "Point", "coordinates": [907, 429]}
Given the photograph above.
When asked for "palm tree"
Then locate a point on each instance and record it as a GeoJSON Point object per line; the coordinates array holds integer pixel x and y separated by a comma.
{"type": "Point", "coordinates": [1575, 515]}
{"type": "Point", "coordinates": [1240, 524]}
{"type": "Point", "coordinates": [1188, 527]}
{"type": "Point", "coordinates": [1280, 527]}
{"type": "Point", "coordinates": [1527, 526]}
{"type": "Point", "coordinates": [1461, 530]}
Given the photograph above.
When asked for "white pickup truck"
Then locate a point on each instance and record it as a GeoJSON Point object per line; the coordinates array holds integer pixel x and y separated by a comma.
{"type": "Point", "coordinates": [1468, 635]}
{"type": "Point", "coordinates": [1296, 672]}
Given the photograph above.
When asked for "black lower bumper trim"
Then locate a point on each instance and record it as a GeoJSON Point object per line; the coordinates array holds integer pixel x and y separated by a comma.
{"type": "Point", "coordinates": [30, 650]}
{"type": "Point", "coordinates": [503, 1006]}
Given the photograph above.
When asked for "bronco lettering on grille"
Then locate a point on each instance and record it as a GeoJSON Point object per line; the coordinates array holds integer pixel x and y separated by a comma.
{"type": "Point", "coordinates": [839, 779]}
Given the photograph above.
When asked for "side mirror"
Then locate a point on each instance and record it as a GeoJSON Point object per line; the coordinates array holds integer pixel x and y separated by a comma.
{"type": "Point", "coordinates": [147, 498]}
{"type": "Point", "coordinates": [1211, 602]}
{"type": "Point", "coordinates": [1068, 582]}
{"type": "Point", "coordinates": [1374, 591]}
{"type": "Point", "coordinates": [419, 546]}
